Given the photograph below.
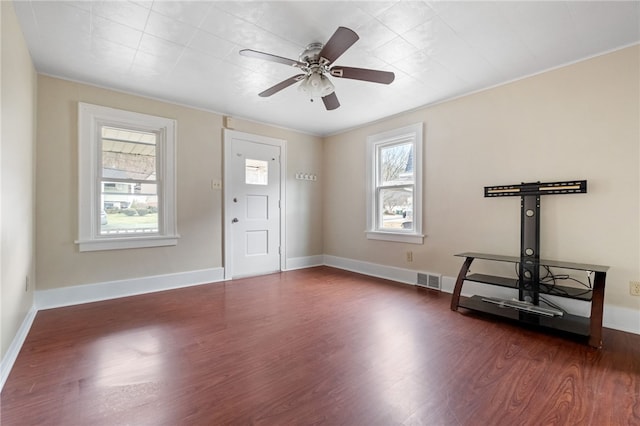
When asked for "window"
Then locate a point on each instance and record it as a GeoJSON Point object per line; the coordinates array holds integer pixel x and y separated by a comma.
{"type": "Point", "coordinates": [256, 172]}
{"type": "Point", "coordinates": [126, 179]}
{"type": "Point", "coordinates": [394, 179]}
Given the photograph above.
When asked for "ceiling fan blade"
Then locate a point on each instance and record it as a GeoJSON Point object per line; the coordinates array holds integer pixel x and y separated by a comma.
{"type": "Point", "coordinates": [331, 101]}
{"type": "Point", "coordinates": [282, 85]}
{"type": "Point", "coordinates": [364, 74]}
{"type": "Point", "coordinates": [273, 58]}
{"type": "Point", "coordinates": [339, 42]}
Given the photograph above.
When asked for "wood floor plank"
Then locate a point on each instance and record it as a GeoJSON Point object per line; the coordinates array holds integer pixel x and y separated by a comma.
{"type": "Point", "coordinates": [314, 346]}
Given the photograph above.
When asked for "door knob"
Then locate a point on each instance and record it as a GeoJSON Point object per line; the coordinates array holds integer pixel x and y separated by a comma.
{"type": "Point", "coordinates": [234, 220]}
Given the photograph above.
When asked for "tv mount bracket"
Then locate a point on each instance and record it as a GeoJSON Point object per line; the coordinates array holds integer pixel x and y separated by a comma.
{"type": "Point", "coordinates": [529, 269]}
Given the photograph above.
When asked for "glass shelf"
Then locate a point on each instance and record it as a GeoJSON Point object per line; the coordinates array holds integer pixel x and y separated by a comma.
{"type": "Point", "coordinates": [541, 262]}
{"type": "Point", "coordinates": [543, 288]}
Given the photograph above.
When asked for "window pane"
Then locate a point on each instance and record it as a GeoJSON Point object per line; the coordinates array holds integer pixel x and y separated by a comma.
{"type": "Point", "coordinates": [133, 211]}
{"type": "Point", "coordinates": [396, 208]}
{"type": "Point", "coordinates": [256, 172]}
{"type": "Point", "coordinates": [396, 164]}
{"type": "Point", "coordinates": [128, 154]}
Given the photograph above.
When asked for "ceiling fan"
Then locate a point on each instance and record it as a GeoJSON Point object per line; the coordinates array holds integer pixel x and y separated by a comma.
{"type": "Point", "coordinates": [315, 62]}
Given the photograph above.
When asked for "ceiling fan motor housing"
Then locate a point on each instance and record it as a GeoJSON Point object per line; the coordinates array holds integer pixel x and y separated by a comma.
{"type": "Point", "coordinates": [311, 54]}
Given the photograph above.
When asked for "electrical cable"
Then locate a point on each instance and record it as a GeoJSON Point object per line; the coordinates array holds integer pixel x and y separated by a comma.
{"type": "Point", "coordinates": [553, 305]}
{"type": "Point", "coordinates": [550, 283]}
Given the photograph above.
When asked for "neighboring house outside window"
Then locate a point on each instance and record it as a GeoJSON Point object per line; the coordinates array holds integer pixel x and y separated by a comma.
{"type": "Point", "coordinates": [394, 185]}
{"type": "Point", "coordinates": [126, 179]}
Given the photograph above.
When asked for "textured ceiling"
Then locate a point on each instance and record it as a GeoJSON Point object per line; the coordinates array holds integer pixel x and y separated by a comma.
{"type": "Point", "coordinates": [187, 52]}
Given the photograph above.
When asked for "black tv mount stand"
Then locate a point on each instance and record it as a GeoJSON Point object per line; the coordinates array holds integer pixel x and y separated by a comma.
{"type": "Point", "coordinates": [526, 308]}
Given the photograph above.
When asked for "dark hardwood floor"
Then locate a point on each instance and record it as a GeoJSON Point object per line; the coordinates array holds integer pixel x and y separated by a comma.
{"type": "Point", "coordinates": [314, 346]}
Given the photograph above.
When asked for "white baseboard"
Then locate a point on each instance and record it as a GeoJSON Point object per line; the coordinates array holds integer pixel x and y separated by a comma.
{"type": "Point", "coordinates": [16, 344]}
{"type": "Point", "coordinates": [615, 317]}
{"type": "Point", "coordinates": [304, 262]}
{"type": "Point", "coordinates": [392, 273]}
{"type": "Point", "coordinates": [75, 295]}
{"type": "Point", "coordinates": [623, 319]}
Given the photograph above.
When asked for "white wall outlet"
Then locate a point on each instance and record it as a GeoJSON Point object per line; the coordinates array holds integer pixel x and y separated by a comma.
{"type": "Point", "coordinates": [216, 184]}
{"type": "Point", "coordinates": [634, 288]}
{"type": "Point", "coordinates": [409, 256]}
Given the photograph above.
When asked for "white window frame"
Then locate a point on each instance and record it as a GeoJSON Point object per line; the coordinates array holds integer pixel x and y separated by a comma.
{"type": "Point", "coordinates": [408, 134]}
{"type": "Point", "coordinates": [90, 119]}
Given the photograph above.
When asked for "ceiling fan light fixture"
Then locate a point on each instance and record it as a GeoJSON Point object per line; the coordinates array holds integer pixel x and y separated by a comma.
{"type": "Point", "coordinates": [316, 85]}
{"type": "Point", "coordinates": [316, 64]}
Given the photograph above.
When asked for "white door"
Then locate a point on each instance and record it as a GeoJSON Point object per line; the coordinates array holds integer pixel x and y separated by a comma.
{"type": "Point", "coordinates": [252, 205]}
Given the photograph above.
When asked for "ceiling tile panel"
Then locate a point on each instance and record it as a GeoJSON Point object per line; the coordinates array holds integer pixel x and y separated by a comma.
{"type": "Point", "coordinates": [126, 13]}
{"type": "Point", "coordinates": [114, 32]}
{"type": "Point", "coordinates": [374, 34]}
{"type": "Point", "coordinates": [396, 50]}
{"type": "Point", "coordinates": [161, 48]}
{"type": "Point", "coordinates": [432, 33]}
{"type": "Point", "coordinates": [213, 45]}
{"type": "Point", "coordinates": [194, 68]}
{"type": "Point", "coordinates": [424, 67]}
{"type": "Point", "coordinates": [284, 19]}
{"type": "Point", "coordinates": [460, 15]}
{"type": "Point", "coordinates": [189, 12]}
{"type": "Point", "coordinates": [111, 57]}
{"type": "Point", "coordinates": [169, 29]}
{"type": "Point", "coordinates": [403, 16]}
{"type": "Point", "coordinates": [151, 66]}
{"type": "Point", "coordinates": [376, 8]}
{"type": "Point", "coordinates": [234, 29]}
{"type": "Point", "coordinates": [249, 11]}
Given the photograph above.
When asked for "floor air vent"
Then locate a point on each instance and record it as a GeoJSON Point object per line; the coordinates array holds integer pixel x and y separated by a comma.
{"type": "Point", "coordinates": [429, 281]}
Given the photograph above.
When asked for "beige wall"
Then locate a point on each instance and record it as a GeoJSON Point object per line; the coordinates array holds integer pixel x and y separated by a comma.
{"type": "Point", "coordinates": [576, 122]}
{"type": "Point", "coordinates": [199, 160]}
{"type": "Point", "coordinates": [18, 97]}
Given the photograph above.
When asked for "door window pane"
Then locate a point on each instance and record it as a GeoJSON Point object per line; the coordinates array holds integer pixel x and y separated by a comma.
{"type": "Point", "coordinates": [256, 172]}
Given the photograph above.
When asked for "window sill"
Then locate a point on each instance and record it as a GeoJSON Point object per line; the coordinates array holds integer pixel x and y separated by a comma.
{"type": "Point", "coordinates": [127, 243]}
{"type": "Point", "coordinates": [396, 237]}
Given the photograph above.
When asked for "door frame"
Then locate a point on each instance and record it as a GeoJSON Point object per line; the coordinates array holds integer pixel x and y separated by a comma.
{"type": "Point", "coordinates": [227, 253]}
